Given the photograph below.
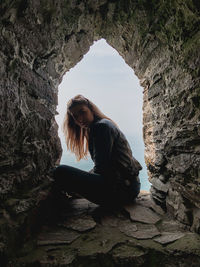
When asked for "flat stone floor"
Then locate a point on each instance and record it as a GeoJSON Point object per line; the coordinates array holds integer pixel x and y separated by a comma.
{"type": "Point", "coordinates": [137, 235]}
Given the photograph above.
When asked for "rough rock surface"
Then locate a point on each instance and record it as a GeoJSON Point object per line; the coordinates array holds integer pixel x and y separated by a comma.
{"type": "Point", "coordinates": [41, 40]}
{"type": "Point", "coordinates": [113, 239]}
{"type": "Point", "coordinates": [142, 214]}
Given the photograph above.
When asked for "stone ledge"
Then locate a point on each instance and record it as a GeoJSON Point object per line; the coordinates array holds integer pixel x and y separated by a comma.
{"type": "Point", "coordinates": [90, 235]}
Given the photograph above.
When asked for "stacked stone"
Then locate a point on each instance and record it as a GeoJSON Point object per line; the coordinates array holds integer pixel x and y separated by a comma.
{"type": "Point", "coordinates": [41, 40]}
{"type": "Point", "coordinates": [39, 43]}
{"type": "Point", "coordinates": [131, 236]}
{"type": "Point", "coordinates": [166, 58]}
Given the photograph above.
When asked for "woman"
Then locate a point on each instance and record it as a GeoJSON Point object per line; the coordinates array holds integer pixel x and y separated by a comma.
{"type": "Point", "coordinates": [114, 179]}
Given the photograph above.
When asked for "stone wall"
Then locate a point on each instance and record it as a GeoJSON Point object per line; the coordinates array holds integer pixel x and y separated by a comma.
{"type": "Point", "coordinates": [160, 41]}
{"type": "Point", "coordinates": [41, 40]}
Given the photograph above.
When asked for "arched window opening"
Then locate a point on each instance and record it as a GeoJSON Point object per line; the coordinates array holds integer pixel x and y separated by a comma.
{"type": "Point", "coordinates": [104, 77]}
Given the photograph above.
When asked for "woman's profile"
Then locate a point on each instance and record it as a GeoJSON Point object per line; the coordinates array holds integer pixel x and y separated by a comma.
{"type": "Point", "coordinates": [114, 180]}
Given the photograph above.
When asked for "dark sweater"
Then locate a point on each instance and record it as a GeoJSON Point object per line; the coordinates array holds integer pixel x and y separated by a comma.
{"type": "Point", "coordinates": [111, 153]}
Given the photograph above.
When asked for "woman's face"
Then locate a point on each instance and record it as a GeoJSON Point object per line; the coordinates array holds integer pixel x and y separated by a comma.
{"type": "Point", "coordinates": [82, 115]}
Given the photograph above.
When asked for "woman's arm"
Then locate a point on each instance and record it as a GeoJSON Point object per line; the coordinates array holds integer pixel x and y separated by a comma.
{"type": "Point", "coordinates": [103, 139]}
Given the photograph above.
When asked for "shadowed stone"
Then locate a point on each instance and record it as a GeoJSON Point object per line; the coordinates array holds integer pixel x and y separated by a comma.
{"type": "Point", "coordinates": [80, 206]}
{"type": "Point", "coordinates": [126, 242]}
{"type": "Point", "coordinates": [126, 251]}
{"type": "Point", "coordinates": [100, 241]}
{"type": "Point", "coordinates": [127, 228]}
{"type": "Point", "coordinates": [2, 247]}
{"type": "Point", "coordinates": [80, 224]}
{"type": "Point", "coordinates": [57, 256]}
{"type": "Point", "coordinates": [157, 208]}
{"type": "Point", "coordinates": [142, 214]}
{"type": "Point", "coordinates": [196, 220]}
{"type": "Point", "coordinates": [17, 206]}
{"type": "Point", "coordinates": [167, 237]}
{"type": "Point", "coordinates": [59, 237]}
{"type": "Point", "coordinates": [110, 221]}
{"type": "Point", "coordinates": [188, 245]}
{"type": "Point", "coordinates": [159, 185]}
{"type": "Point", "coordinates": [145, 232]}
{"type": "Point", "coordinates": [169, 226]}
{"type": "Point", "coordinates": [145, 199]}
{"type": "Point", "coordinates": [63, 261]}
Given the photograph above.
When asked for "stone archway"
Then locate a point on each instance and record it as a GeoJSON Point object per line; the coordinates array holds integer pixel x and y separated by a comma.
{"type": "Point", "coordinates": [40, 41]}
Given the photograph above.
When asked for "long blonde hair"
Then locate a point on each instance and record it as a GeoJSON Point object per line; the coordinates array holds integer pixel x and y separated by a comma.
{"type": "Point", "coordinates": [77, 138]}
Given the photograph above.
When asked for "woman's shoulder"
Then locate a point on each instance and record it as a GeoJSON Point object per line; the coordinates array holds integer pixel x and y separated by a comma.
{"type": "Point", "coordinates": [102, 126]}
{"type": "Point", "coordinates": [105, 123]}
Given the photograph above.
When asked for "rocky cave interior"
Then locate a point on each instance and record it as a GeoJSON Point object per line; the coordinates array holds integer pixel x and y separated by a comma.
{"type": "Point", "coordinates": [41, 40]}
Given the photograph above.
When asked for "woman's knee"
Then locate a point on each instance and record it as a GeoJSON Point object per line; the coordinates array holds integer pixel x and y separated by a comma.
{"type": "Point", "coordinates": [58, 171]}
{"type": "Point", "coordinates": [60, 174]}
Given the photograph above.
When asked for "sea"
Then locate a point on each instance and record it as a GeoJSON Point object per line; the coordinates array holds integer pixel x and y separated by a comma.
{"type": "Point", "coordinates": [137, 147]}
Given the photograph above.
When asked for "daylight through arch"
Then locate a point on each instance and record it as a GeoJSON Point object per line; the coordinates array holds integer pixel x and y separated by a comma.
{"type": "Point", "coordinates": [104, 77]}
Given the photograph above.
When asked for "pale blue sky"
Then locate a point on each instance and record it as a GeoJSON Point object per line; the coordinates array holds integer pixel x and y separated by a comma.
{"type": "Point", "coordinates": [104, 77]}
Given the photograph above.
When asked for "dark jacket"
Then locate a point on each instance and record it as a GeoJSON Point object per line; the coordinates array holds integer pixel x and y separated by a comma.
{"type": "Point", "coordinates": [111, 153]}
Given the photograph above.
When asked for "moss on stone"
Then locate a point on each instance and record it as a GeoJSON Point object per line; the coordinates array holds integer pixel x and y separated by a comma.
{"type": "Point", "coordinates": [128, 250]}
{"type": "Point", "coordinates": [21, 7]}
{"type": "Point", "coordinates": [99, 240]}
{"type": "Point", "coordinates": [151, 244]}
{"type": "Point", "coordinates": [189, 244]}
{"type": "Point", "coordinates": [70, 16]}
{"type": "Point", "coordinates": [191, 47]}
{"type": "Point", "coordinates": [30, 259]}
{"type": "Point", "coordinates": [48, 9]}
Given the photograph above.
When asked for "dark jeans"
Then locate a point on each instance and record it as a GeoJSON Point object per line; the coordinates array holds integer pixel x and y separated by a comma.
{"type": "Point", "coordinates": [93, 186]}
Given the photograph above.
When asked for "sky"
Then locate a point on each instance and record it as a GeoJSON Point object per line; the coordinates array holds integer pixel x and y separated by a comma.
{"type": "Point", "coordinates": [103, 77]}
